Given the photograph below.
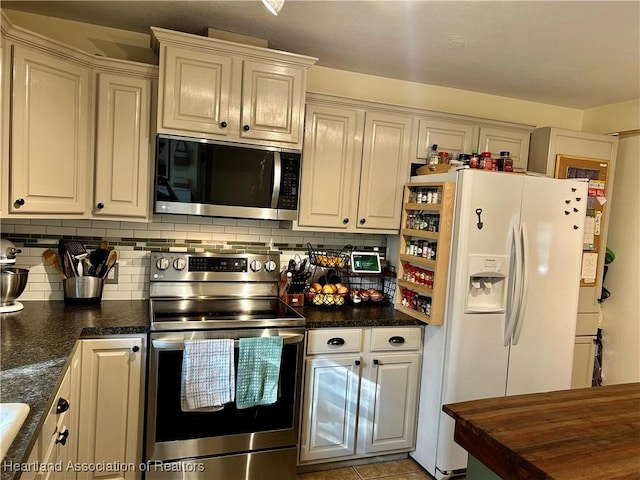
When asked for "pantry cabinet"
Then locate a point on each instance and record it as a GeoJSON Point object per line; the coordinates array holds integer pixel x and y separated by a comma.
{"type": "Point", "coordinates": [462, 135]}
{"type": "Point", "coordinates": [360, 395]}
{"type": "Point", "coordinates": [77, 141]}
{"type": "Point", "coordinates": [112, 405]}
{"type": "Point", "coordinates": [425, 243]}
{"type": "Point", "coordinates": [356, 160]}
{"type": "Point", "coordinates": [217, 89]}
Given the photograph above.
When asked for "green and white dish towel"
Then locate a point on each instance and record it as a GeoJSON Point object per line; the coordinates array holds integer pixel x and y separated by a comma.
{"type": "Point", "coordinates": [258, 371]}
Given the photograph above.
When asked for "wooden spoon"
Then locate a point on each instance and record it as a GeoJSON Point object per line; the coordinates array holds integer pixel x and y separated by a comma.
{"type": "Point", "coordinates": [111, 261]}
{"type": "Point", "coordinates": [53, 260]}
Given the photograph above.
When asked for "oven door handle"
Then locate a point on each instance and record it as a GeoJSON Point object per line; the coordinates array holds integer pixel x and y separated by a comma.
{"type": "Point", "coordinates": [178, 343]}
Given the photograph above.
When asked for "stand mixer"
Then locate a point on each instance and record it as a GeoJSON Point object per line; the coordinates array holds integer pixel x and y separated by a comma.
{"type": "Point", "coordinates": [13, 280]}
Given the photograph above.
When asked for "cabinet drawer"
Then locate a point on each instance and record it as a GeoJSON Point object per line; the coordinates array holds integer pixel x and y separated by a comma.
{"type": "Point", "coordinates": [334, 340]}
{"type": "Point", "coordinates": [409, 338]}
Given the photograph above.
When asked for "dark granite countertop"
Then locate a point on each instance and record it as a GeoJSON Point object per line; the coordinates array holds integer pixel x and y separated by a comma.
{"type": "Point", "coordinates": [360, 316]}
{"type": "Point", "coordinates": [36, 344]}
{"type": "Point", "coordinates": [38, 341]}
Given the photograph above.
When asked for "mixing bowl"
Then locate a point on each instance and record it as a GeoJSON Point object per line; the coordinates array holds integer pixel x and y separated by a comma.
{"type": "Point", "coordinates": [12, 283]}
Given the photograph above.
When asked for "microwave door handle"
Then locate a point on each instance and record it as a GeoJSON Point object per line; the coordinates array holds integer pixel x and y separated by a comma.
{"type": "Point", "coordinates": [277, 177]}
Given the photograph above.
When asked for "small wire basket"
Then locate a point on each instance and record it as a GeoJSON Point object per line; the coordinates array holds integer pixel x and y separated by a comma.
{"type": "Point", "coordinates": [373, 289]}
{"type": "Point", "coordinates": [330, 258]}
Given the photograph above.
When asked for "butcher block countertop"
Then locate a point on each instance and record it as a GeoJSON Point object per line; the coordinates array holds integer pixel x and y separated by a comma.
{"type": "Point", "coordinates": [590, 433]}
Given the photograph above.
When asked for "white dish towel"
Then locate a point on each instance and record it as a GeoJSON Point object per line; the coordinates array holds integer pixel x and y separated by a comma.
{"type": "Point", "coordinates": [208, 375]}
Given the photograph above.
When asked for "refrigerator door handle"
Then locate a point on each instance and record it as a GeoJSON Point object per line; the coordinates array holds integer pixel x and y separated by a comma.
{"type": "Point", "coordinates": [525, 283]}
{"type": "Point", "coordinates": [517, 275]}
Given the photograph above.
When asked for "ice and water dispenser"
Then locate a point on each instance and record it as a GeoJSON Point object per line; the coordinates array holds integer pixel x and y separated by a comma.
{"type": "Point", "coordinates": [488, 281]}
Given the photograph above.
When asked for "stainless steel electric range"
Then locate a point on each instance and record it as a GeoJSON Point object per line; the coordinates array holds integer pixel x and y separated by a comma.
{"type": "Point", "coordinates": [208, 296]}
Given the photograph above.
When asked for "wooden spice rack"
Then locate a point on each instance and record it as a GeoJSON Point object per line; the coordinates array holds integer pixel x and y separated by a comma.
{"type": "Point", "coordinates": [439, 265]}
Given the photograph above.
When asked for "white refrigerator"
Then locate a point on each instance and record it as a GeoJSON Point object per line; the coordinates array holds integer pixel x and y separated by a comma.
{"type": "Point", "coordinates": [512, 300]}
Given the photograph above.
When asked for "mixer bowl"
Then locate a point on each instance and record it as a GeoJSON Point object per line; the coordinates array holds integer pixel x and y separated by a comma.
{"type": "Point", "coordinates": [13, 280]}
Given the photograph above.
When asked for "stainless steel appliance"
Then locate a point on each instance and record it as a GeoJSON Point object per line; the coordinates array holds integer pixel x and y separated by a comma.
{"type": "Point", "coordinates": [13, 280]}
{"type": "Point", "coordinates": [208, 177]}
{"type": "Point", "coordinates": [196, 296]}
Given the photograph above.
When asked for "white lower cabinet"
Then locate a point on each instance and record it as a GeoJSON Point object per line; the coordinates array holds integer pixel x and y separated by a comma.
{"type": "Point", "coordinates": [360, 393]}
{"type": "Point", "coordinates": [58, 441]}
{"type": "Point", "coordinates": [111, 410]}
{"type": "Point", "coordinates": [584, 354]}
{"type": "Point", "coordinates": [94, 427]}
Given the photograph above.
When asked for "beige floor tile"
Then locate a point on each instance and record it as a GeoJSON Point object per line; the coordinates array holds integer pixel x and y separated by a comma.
{"type": "Point", "coordinates": [335, 474]}
{"type": "Point", "coordinates": [409, 476]}
{"type": "Point", "coordinates": [385, 469]}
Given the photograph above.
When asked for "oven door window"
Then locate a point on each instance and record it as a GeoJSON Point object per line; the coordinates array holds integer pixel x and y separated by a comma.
{"type": "Point", "coordinates": [173, 424]}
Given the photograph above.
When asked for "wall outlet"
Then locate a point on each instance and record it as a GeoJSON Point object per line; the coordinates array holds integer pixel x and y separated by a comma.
{"type": "Point", "coordinates": [112, 276]}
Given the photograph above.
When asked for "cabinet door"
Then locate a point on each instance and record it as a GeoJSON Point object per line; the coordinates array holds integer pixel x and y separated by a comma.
{"type": "Point", "coordinates": [195, 88]}
{"type": "Point", "coordinates": [330, 166]}
{"type": "Point", "coordinates": [330, 407]}
{"type": "Point", "coordinates": [584, 353]}
{"type": "Point", "coordinates": [450, 137]}
{"type": "Point", "coordinates": [272, 102]}
{"type": "Point", "coordinates": [50, 128]}
{"type": "Point", "coordinates": [68, 452]}
{"type": "Point", "coordinates": [110, 412]}
{"type": "Point", "coordinates": [385, 169]}
{"type": "Point", "coordinates": [122, 146]}
{"type": "Point", "coordinates": [388, 410]}
{"type": "Point", "coordinates": [496, 140]}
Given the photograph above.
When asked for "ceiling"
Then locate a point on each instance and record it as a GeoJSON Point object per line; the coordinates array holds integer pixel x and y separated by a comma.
{"type": "Point", "coordinates": [578, 54]}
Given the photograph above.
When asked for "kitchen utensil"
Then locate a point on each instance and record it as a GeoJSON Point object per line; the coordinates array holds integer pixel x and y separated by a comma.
{"type": "Point", "coordinates": [66, 260]}
{"type": "Point", "coordinates": [53, 260]}
{"type": "Point", "coordinates": [78, 253]}
{"type": "Point", "coordinates": [13, 283]}
{"type": "Point", "coordinates": [97, 258]}
{"type": "Point", "coordinates": [108, 265]}
{"type": "Point", "coordinates": [82, 289]}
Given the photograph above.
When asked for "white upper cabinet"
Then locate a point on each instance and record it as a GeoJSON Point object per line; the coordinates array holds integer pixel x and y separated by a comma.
{"type": "Point", "coordinates": [355, 163]}
{"type": "Point", "coordinates": [217, 89]}
{"type": "Point", "coordinates": [464, 134]}
{"type": "Point", "coordinates": [50, 129]}
{"type": "Point", "coordinates": [122, 172]}
{"type": "Point", "coordinates": [450, 137]}
{"type": "Point", "coordinates": [77, 139]}
{"type": "Point", "coordinates": [331, 166]}
{"type": "Point", "coordinates": [496, 140]}
{"type": "Point", "coordinates": [194, 91]}
{"type": "Point", "coordinates": [385, 168]}
{"type": "Point", "coordinates": [272, 102]}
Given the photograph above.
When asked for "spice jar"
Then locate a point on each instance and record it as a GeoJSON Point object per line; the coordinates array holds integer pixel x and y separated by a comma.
{"type": "Point", "coordinates": [507, 161]}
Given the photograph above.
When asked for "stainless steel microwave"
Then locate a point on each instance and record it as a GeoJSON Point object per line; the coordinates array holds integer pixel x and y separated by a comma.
{"type": "Point", "coordinates": [224, 179]}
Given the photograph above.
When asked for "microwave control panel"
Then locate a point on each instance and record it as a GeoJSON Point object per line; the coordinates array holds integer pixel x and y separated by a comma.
{"type": "Point", "coordinates": [289, 181]}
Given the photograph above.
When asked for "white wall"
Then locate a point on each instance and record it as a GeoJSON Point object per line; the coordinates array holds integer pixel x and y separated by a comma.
{"type": "Point", "coordinates": [621, 323]}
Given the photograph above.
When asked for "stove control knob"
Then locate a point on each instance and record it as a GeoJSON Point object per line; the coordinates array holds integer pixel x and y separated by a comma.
{"type": "Point", "coordinates": [255, 265]}
{"type": "Point", "coordinates": [270, 266]}
{"type": "Point", "coordinates": [162, 263]}
{"type": "Point", "coordinates": [179, 264]}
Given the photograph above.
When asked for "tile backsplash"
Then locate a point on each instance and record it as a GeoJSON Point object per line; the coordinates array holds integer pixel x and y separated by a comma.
{"type": "Point", "coordinates": [134, 242]}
